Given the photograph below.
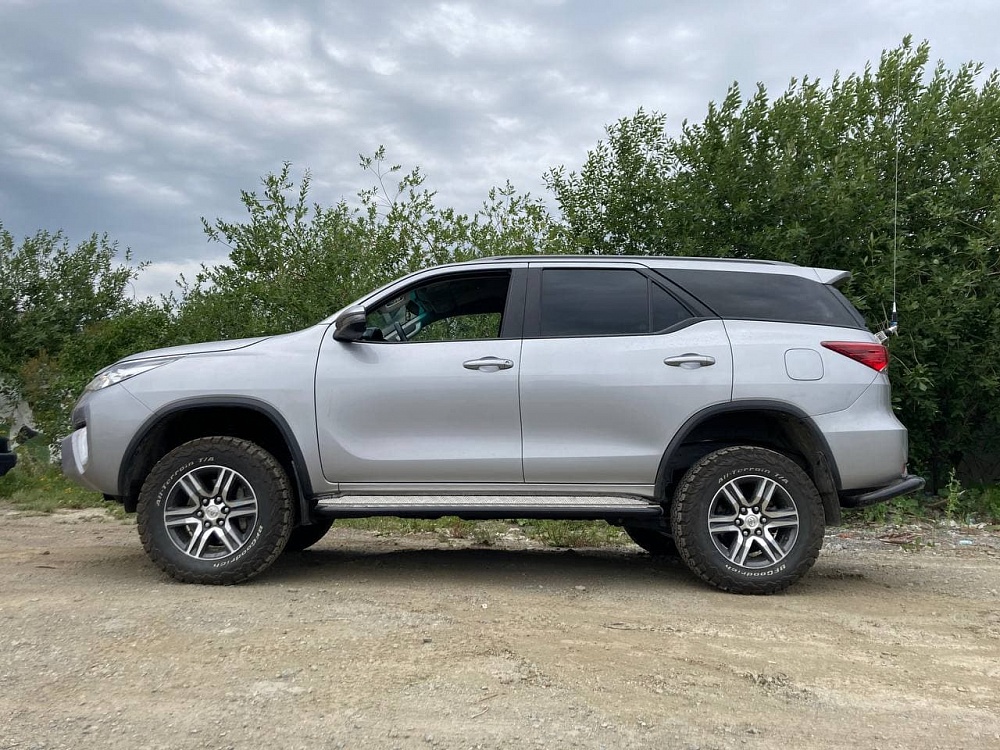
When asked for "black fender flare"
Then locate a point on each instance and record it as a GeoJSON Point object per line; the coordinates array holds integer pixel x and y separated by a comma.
{"type": "Point", "coordinates": [824, 469]}
{"type": "Point", "coordinates": [244, 402]}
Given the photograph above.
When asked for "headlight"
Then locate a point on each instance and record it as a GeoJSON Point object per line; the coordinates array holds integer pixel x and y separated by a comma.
{"type": "Point", "coordinates": [125, 370]}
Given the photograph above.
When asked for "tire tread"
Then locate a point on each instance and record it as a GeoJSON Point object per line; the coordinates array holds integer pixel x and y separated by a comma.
{"type": "Point", "coordinates": [683, 512]}
{"type": "Point", "coordinates": [231, 576]}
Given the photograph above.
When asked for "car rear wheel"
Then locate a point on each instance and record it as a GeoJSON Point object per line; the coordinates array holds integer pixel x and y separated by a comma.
{"type": "Point", "coordinates": [215, 510]}
{"type": "Point", "coordinates": [748, 520]}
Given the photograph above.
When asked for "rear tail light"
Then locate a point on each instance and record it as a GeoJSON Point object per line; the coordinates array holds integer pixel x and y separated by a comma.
{"type": "Point", "coordinates": [875, 356]}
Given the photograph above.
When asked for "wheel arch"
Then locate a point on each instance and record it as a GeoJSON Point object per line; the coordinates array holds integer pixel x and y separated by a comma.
{"type": "Point", "coordinates": [203, 416]}
{"type": "Point", "coordinates": [767, 424]}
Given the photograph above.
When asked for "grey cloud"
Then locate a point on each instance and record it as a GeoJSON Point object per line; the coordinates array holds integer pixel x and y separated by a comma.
{"type": "Point", "coordinates": [138, 119]}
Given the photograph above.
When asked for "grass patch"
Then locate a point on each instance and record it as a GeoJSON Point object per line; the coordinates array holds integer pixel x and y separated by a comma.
{"type": "Point", "coordinates": [390, 526]}
{"type": "Point", "coordinates": [954, 503]}
{"type": "Point", "coordinates": [487, 533]}
{"type": "Point", "coordinates": [36, 484]}
{"type": "Point", "coordinates": [574, 533]}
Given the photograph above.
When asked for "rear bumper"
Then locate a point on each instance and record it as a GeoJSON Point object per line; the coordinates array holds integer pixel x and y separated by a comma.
{"type": "Point", "coordinates": [903, 486]}
{"type": "Point", "coordinates": [868, 445]}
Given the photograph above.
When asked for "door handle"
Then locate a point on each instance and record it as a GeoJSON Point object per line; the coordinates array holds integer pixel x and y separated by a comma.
{"type": "Point", "coordinates": [488, 364]}
{"type": "Point", "coordinates": [690, 361]}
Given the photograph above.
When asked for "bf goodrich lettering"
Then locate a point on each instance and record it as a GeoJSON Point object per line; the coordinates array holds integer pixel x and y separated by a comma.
{"type": "Point", "coordinates": [241, 553]}
{"type": "Point", "coordinates": [756, 573]}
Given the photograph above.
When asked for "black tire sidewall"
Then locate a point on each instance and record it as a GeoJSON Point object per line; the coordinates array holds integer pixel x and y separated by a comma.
{"type": "Point", "coordinates": [655, 542]}
{"type": "Point", "coordinates": [689, 514]}
{"type": "Point", "coordinates": [304, 537]}
{"type": "Point", "coordinates": [272, 525]}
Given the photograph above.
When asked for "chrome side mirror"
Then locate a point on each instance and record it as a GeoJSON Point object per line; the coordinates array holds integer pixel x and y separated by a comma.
{"type": "Point", "coordinates": [350, 324]}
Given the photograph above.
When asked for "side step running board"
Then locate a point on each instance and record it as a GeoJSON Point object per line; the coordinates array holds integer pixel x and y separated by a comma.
{"type": "Point", "coordinates": [583, 508]}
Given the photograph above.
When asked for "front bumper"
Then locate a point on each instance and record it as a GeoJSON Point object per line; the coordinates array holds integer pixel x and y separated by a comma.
{"type": "Point", "coordinates": [75, 451]}
{"type": "Point", "coordinates": [105, 422]}
{"type": "Point", "coordinates": [903, 486]}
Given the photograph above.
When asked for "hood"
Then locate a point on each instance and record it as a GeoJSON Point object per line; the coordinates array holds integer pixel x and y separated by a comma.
{"type": "Point", "coordinates": [205, 348]}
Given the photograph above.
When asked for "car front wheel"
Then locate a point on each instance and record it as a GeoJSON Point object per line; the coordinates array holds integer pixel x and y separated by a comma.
{"type": "Point", "coordinates": [216, 510]}
{"type": "Point", "coordinates": [748, 520]}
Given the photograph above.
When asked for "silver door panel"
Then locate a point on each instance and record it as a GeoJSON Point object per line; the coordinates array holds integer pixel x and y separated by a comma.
{"type": "Point", "coordinates": [414, 412]}
{"type": "Point", "coordinates": [603, 409]}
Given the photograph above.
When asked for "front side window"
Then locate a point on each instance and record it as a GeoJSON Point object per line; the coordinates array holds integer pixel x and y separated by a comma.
{"type": "Point", "coordinates": [604, 302]}
{"type": "Point", "coordinates": [453, 309]}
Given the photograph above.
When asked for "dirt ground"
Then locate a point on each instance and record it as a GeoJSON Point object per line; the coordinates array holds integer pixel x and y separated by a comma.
{"type": "Point", "coordinates": [366, 641]}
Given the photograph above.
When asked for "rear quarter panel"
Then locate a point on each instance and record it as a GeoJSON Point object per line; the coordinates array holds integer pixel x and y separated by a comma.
{"type": "Point", "coordinates": [765, 355]}
{"type": "Point", "coordinates": [849, 402]}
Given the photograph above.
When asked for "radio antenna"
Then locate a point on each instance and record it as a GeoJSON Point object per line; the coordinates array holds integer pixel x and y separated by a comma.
{"type": "Point", "coordinates": [894, 319]}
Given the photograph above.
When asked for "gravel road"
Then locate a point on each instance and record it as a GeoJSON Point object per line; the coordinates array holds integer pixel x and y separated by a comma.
{"type": "Point", "coordinates": [367, 641]}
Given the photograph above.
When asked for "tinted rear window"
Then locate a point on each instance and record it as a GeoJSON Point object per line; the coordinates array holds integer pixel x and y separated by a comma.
{"type": "Point", "coordinates": [593, 303]}
{"type": "Point", "coordinates": [605, 302]}
{"type": "Point", "coordinates": [768, 296]}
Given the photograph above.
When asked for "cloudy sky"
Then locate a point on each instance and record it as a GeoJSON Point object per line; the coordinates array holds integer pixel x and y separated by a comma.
{"type": "Point", "coordinates": [139, 117]}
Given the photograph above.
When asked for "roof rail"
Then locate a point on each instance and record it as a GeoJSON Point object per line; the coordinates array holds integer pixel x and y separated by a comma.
{"type": "Point", "coordinates": [540, 256]}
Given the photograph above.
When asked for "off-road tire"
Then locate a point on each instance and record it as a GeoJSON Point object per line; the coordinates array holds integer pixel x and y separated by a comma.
{"type": "Point", "coordinates": [655, 542]}
{"type": "Point", "coordinates": [261, 483]}
{"type": "Point", "coordinates": [706, 491]}
{"type": "Point", "coordinates": [304, 537]}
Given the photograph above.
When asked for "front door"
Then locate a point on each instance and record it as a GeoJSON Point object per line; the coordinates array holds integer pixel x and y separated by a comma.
{"type": "Point", "coordinates": [430, 394]}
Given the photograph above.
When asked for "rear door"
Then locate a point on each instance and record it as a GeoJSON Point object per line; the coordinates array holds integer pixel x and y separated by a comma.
{"type": "Point", "coordinates": [613, 363]}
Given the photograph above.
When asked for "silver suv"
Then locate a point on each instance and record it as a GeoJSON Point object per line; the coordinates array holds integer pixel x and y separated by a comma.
{"type": "Point", "coordinates": [724, 410]}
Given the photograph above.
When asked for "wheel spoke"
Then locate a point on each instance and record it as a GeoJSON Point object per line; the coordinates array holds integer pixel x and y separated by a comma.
{"type": "Point", "coordinates": [720, 525]}
{"type": "Point", "coordinates": [202, 541]}
{"type": "Point", "coordinates": [243, 507]}
{"type": "Point", "coordinates": [223, 482]}
{"type": "Point", "coordinates": [717, 520]}
{"type": "Point", "coordinates": [788, 523]}
{"type": "Point", "coordinates": [229, 537]}
{"type": "Point", "coordinates": [763, 493]}
{"type": "Point", "coordinates": [743, 549]}
{"type": "Point", "coordinates": [184, 518]}
{"type": "Point", "coordinates": [771, 547]}
{"type": "Point", "coordinates": [734, 495]}
{"type": "Point", "coordinates": [192, 487]}
{"type": "Point", "coordinates": [196, 536]}
{"type": "Point", "coordinates": [775, 515]}
{"type": "Point", "coordinates": [777, 519]}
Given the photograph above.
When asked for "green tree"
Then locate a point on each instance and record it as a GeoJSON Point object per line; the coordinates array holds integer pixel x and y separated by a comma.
{"type": "Point", "coordinates": [810, 177]}
{"type": "Point", "coordinates": [293, 262]}
{"type": "Point", "coordinates": [57, 303]}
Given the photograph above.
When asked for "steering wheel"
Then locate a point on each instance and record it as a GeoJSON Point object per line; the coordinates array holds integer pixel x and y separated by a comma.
{"type": "Point", "coordinates": [399, 331]}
